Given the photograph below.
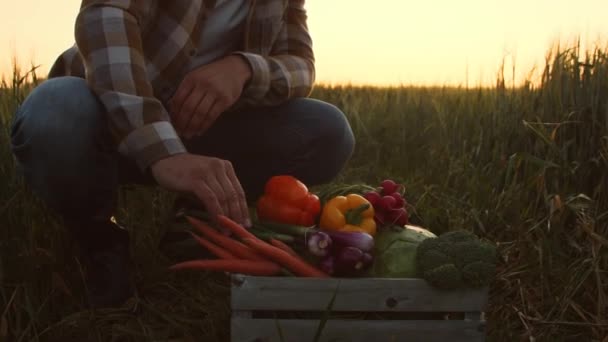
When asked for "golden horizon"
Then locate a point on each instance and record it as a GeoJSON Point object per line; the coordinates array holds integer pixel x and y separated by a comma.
{"type": "Point", "coordinates": [390, 43]}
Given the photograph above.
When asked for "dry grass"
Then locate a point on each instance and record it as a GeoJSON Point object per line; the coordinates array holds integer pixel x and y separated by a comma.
{"type": "Point", "coordinates": [525, 167]}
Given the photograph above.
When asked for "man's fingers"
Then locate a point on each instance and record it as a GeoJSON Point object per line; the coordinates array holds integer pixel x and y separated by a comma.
{"type": "Point", "coordinates": [223, 191]}
{"type": "Point", "coordinates": [182, 92]}
{"type": "Point", "coordinates": [201, 115]}
{"type": "Point", "coordinates": [241, 199]}
{"type": "Point", "coordinates": [232, 198]}
{"type": "Point", "coordinates": [188, 112]}
{"type": "Point", "coordinates": [209, 199]}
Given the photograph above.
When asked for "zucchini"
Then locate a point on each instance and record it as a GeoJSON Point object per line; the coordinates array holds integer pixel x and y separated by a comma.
{"type": "Point", "coordinates": [284, 228]}
{"type": "Point", "coordinates": [267, 235]}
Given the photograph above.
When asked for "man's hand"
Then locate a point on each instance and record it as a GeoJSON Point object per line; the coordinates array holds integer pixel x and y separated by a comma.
{"type": "Point", "coordinates": [207, 92]}
{"type": "Point", "coordinates": [212, 180]}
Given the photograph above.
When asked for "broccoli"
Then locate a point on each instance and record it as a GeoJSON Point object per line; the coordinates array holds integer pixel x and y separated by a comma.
{"type": "Point", "coordinates": [456, 259]}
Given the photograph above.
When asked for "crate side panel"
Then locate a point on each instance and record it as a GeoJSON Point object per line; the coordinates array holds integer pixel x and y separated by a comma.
{"type": "Point", "coordinates": [267, 330]}
{"type": "Point", "coordinates": [361, 294]}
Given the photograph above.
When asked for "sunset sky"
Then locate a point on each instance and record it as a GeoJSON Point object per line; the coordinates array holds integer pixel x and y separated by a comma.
{"type": "Point", "coordinates": [372, 42]}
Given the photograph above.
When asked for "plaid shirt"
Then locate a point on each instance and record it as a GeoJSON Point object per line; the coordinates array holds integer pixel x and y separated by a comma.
{"type": "Point", "coordinates": [134, 53]}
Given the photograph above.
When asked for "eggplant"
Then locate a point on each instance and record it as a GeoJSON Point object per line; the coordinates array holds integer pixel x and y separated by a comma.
{"type": "Point", "coordinates": [349, 261]}
{"type": "Point", "coordinates": [368, 259]}
{"type": "Point", "coordinates": [319, 243]}
{"type": "Point", "coordinates": [360, 240]}
{"type": "Point", "coordinates": [327, 264]}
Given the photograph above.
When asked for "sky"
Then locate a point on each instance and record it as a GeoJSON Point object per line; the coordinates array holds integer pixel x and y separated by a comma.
{"type": "Point", "coordinates": [379, 42]}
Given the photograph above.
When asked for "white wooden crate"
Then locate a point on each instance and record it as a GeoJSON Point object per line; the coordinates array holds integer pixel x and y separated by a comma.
{"type": "Point", "coordinates": [365, 309]}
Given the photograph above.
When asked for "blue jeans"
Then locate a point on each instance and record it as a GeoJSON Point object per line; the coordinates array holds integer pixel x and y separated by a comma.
{"type": "Point", "coordinates": [61, 141]}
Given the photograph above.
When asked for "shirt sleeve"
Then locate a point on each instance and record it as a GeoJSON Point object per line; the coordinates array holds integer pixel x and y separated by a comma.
{"type": "Point", "coordinates": [289, 70]}
{"type": "Point", "coordinates": [109, 39]}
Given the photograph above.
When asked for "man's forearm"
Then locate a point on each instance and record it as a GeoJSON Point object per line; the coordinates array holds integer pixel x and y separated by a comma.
{"type": "Point", "coordinates": [108, 37]}
{"type": "Point", "coordinates": [289, 70]}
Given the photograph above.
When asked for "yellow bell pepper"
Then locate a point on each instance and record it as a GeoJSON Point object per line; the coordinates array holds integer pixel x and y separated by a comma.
{"type": "Point", "coordinates": [350, 213]}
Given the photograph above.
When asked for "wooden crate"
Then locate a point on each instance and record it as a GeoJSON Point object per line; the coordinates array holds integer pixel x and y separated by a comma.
{"type": "Point", "coordinates": [364, 309]}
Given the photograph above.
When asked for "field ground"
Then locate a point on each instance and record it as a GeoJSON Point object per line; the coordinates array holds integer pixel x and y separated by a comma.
{"type": "Point", "coordinates": [526, 168]}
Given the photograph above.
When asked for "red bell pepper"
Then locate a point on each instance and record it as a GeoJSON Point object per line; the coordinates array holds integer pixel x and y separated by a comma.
{"type": "Point", "coordinates": [287, 200]}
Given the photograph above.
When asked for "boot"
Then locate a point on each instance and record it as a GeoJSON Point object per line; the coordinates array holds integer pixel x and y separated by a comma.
{"type": "Point", "coordinates": [104, 253]}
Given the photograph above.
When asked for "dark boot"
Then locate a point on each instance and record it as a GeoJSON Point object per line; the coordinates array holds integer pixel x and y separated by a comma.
{"type": "Point", "coordinates": [104, 253]}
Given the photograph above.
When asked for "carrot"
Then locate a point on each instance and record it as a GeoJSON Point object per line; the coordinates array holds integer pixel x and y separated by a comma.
{"type": "Point", "coordinates": [250, 267]}
{"type": "Point", "coordinates": [294, 264]}
{"type": "Point", "coordinates": [235, 247]}
{"type": "Point", "coordinates": [213, 248]}
{"type": "Point", "coordinates": [283, 246]}
{"type": "Point", "coordinates": [234, 227]}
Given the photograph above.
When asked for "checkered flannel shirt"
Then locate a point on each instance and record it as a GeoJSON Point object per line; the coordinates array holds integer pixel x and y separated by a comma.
{"type": "Point", "coordinates": [134, 53]}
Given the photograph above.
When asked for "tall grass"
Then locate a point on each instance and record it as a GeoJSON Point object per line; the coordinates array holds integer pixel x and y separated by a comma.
{"type": "Point", "coordinates": [525, 167]}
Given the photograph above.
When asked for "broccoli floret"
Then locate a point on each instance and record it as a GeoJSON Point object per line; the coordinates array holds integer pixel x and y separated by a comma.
{"type": "Point", "coordinates": [478, 273]}
{"type": "Point", "coordinates": [459, 257]}
{"type": "Point", "coordinates": [476, 251]}
{"type": "Point", "coordinates": [433, 259]}
{"type": "Point", "coordinates": [446, 276]}
{"type": "Point", "coordinates": [458, 236]}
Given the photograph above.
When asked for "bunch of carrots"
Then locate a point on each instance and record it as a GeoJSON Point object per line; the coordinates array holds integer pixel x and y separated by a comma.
{"type": "Point", "coordinates": [245, 254]}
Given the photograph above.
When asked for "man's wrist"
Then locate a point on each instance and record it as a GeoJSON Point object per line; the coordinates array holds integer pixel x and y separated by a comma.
{"type": "Point", "coordinates": [244, 68]}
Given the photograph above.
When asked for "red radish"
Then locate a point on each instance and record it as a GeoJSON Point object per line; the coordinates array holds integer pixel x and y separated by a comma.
{"type": "Point", "coordinates": [404, 219]}
{"type": "Point", "coordinates": [372, 197]}
{"type": "Point", "coordinates": [379, 217]}
{"type": "Point", "coordinates": [389, 187]}
{"type": "Point", "coordinates": [400, 201]}
{"type": "Point", "coordinates": [397, 216]}
{"type": "Point", "coordinates": [387, 203]}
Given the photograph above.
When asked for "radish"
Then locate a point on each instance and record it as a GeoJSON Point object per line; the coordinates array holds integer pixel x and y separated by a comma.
{"type": "Point", "coordinates": [373, 197]}
{"type": "Point", "coordinates": [389, 187]}
{"type": "Point", "coordinates": [387, 203]}
{"type": "Point", "coordinates": [398, 216]}
{"type": "Point", "coordinates": [380, 218]}
{"type": "Point", "coordinates": [400, 200]}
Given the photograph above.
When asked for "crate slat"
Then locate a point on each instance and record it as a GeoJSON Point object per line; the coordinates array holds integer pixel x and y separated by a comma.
{"type": "Point", "coordinates": [361, 294]}
{"type": "Point", "coordinates": [266, 330]}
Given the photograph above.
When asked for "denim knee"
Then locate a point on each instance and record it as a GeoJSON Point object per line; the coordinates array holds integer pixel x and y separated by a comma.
{"type": "Point", "coordinates": [56, 138]}
{"type": "Point", "coordinates": [330, 139]}
{"type": "Point", "coordinates": [337, 130]}
{"type": "Point", "coordinates": [337, 138]}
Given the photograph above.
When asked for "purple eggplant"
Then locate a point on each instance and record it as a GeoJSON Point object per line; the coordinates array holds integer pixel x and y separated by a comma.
{"type": "Point", "coordinates": [327, 264]}
{"type": "Point", "coordinates": [367, 259]}
{"type": "Point", "coordinates": [319, 243]}
{"type": "Point", "coordinates": [360, 240]}
{"type": "Point", "coordinates": [349, 261]}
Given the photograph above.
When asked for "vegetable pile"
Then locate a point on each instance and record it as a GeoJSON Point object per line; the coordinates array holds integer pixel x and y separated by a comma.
{"type": "Point", "coordinates": [341, 231]}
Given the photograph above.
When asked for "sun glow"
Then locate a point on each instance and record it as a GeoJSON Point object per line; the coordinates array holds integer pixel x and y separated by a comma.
{"type": "Point", "coordinates": [433, 42]}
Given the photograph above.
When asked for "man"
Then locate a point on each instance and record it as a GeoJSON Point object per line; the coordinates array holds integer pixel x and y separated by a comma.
{"type": "Point", "coordinates": [202, 97]}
